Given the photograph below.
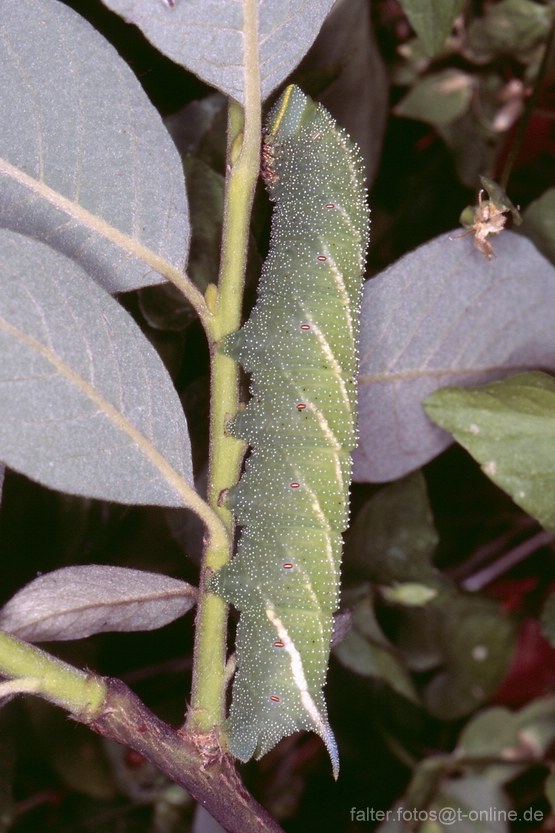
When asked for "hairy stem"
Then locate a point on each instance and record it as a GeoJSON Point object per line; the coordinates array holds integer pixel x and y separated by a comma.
{"type": "Point", "coordinates": [112, 710]}
{"type": "Point", "coordinates": [76, 691]}
{"type": "Point", "coordinates": [243, 162]}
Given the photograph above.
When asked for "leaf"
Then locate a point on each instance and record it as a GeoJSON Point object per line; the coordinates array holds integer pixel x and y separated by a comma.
{"type": "Point", "coordinates": [464, 804]}
{"type": "Point", "coordinates": [366, 651]}
{"type": "Point", "coordinates": [474, 804]}
{"type": "Point", "coordinates": [509, 428]}
{"type": "Point", "coordinates": [439, 99]}
{"type": "Point", "coordinates": [86, 405]}
{"type": "Point", "coordinates": [393, 536]}
{"type": "Point", "coordinates": [208, 38]}
{"type": "Point", "coordinates": [548, 618]}
{"type": "Point", "coordinates": [72, 752]}
{"type": "Point", "coordinates": [345, 68]}
{"type": "Point", "coordinates": [444, 315]}
{"type": "Point", "coordinates": [75, 602]}
{"type": "Point", "coordinates": [510, 27]}
{"type": "Point", "coordinates": [538, 223]}
{"type": "Point", "coordinates": [417, 637]}
{"type": "Point", "coordinates": [549, 789]}
{"type": "Point", "coordinates": [83, 153]}
{"type": "Point", "coordinates": [409, 594]}
{"type": "Point", "coordinates": [499, 199]}
{"type": "Point", "coordinates": [477, 641]}
{"type": "Point", "coordinates": [432, 20]}
{"type": "Point", "coordinates": [522, 737]}
{"type": "Point", "coordinates": [500, 733]}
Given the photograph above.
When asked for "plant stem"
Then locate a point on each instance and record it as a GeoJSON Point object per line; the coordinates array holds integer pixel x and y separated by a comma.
{"type": "Point", "coordinates": [112, 710]}
{"type": "Point", "coordinates": [76, 691]}
{"type": "Point", "coordinates": [243, 162]}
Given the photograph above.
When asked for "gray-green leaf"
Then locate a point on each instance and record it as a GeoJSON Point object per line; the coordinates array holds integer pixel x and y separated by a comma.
{"type": "Point", "coordinates": [82, 149]}
{"type": "Point", "coordinates": [509, 428]}
{"type": "Point", "coordinates": [538, 223]}
{"type": "Point", "coordinates": [549, 789]}
{"type": "Point", "coordinates": [393, 537]}
{"type": "Point", "coordinates": [366, 651]}
{"type": "Point", "coordinates": [432, 20]}
{"type": "Point", "coordinates": [477, 642]}
{"type": "Point", "coordinates": [75, 602]}
{"type": "Point", "coordinates": [86, 405]}
{"type": "Point", "coordinates": [518, 736]}
{"type": "Point", "coordinates": [444, 315]}
{"type": "Point", "coordinates": [439, 99]}
{"type": "Point", "coordinates": [208, 36]}
{"type": "Point", "coordinates": [548, 618]}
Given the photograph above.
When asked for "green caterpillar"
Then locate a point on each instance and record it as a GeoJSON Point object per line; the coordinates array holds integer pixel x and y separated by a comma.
{"type": "Point", "coordinates": [299, 346]}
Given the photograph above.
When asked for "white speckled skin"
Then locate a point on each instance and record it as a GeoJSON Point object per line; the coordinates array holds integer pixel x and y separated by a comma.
{"type": "Point", "coordinates": [299, 346]}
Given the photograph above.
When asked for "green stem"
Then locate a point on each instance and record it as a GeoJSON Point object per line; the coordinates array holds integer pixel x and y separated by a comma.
{"type": "Point", "coordinates": [112, 710]}
{"type": "Point", "coordinates": [76, 691]}
{"type": "Point", "coordinates": [243, 163]}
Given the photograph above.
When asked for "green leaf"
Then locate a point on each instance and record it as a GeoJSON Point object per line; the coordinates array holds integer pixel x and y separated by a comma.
{"type": "Point", "coordinates": [499, 199]}
{"type": "Point", "coordinates": [538, 223]}
{"type": "Point", "coordinates": [468, 639]}
{"type": "Point", "coordinates": [521, 736]}
{"type": "Point", "coordinates": [509, 27]}
{"type": "Point", "coordinates": [549, 788]}
{"type": "Point", "coordinates": [210, 38]}
{"type": "Point", "coordinates": [77, 167]}
{"type": "Point", "coordinates": [86, 405]}
{"type": "Point", "coordinates": [74, 754]}
{"type": "Point", "coordinates": [481, 806]}
{"type": "Point", "coordinates": [432, 20]}
{"type": "Point", "coordinates": [547, 619]}
{"type": "Point", "coordinates": [477, 641]}
{"type": "Point", "coordinates": [495, 731]}
{"type": "Point", "coordinates": [509, 428]}
{"type": "Point", "coordinates": [366, 651]}
{"type": "Point", "coordinates": [439, 99]}
{"type": "Point", "coordinates": [409, 593]}
{"type": "Point", "coordinates": [417, 638]}
{"type": "Point", "coordinates": [393, 536]}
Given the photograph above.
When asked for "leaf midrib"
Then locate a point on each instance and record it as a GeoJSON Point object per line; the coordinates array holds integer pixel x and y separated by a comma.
{"type": "Point", "coordinates": [172, 477]}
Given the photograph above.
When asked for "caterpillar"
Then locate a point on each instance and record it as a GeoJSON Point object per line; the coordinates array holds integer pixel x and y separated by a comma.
{"type": "Point", "coordinates": [291, 503]}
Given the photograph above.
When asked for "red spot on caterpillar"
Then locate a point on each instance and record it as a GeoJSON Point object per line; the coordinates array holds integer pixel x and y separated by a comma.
{"type": "Point", "coordinates": [287, 565]}
{"type": "Point", "coordinates": [279, 644]}
{"type": "Point", "coordinates": [305, 327]}
{"type": "Point", "coordinates": [330, 205]}
{"type": "Point", "coordinates": [301, 406]}
{"type": "Point", "coordinates": [295, 485]}
{"type": "Point", "coordinates": [321, 258]}
{"type": "Point", "coordinates": [275, 699]}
